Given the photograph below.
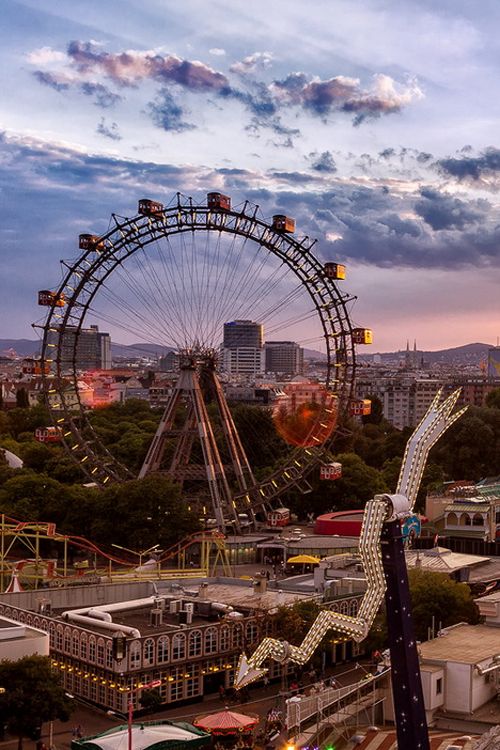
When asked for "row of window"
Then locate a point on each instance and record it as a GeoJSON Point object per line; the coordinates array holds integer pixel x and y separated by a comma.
{"type": "Point", "coordinates": [160, 650]}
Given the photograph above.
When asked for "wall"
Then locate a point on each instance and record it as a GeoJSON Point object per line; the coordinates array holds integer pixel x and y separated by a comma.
{"type": "Point", "coordinates": [457, 687]}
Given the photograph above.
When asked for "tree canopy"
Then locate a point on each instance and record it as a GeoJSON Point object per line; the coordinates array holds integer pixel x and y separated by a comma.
{"type": "Point", "coordinates": [33, 695]}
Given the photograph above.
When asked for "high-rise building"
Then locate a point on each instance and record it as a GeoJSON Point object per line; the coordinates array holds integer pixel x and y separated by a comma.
{"type": "Point", "coordinates": [284, 357]}
{"type": "Point", "coordinates": [90, 348]}
{"type": "Point", "coordinates": [242, 348]}
{"type": "Point", "coordinates": [243, 333]}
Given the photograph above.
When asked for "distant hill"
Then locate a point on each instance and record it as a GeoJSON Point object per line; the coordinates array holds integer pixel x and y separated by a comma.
{"type": "Point", "coordinates": [467, 354]}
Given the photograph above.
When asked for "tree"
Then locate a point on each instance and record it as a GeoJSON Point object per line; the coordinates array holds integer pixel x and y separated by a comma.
{"type": "Point", "coordinates": [377, 411]}
{"type": "Point", "coordinates": [33, 695]}
{"type": "Point", "coordinates": [22, 400]}
{"type": "Point", "coordinates": [437, 598]}
{"type": "Point", "coordinates": [493, 399]}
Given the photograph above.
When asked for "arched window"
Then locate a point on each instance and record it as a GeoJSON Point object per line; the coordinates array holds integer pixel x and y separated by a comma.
{"type": "Point", "coordinates": [83, 646]}
{"type": "Point", "coordinates": [210, 640]}
{"type": "Point", "coordinates": [92, 649]}
{"type": "Point", "coordinates": [52, 635]}
{"type": "Point", "coordinates": [59, 638]}
{"type": "Point", "coordinates": [452, 519]}
{"type": "Point", "coordinates": [100, 651]}
{"type": "Point", "coordinates": [251, 632]}
{"type": "Point", "coordinates": [344, 608]}
{"type": "Point", "coordinates": [135, 655]}
{"type": "Point", "coordinates": [477, 520]}
{"type": "Point", "coordinates": [109, 654]}
{"type": "Point", "coordinates": [67, 641]}
{"type": "Point", "coordinates": [464, 519]}
{"type": "Point", "coordinates": [163, 650]}
{"type": "Point", "coordinates": [194, 643]}
{"type": "Point", "coordinates": [224, 638]}
{"type": "Point", "coordinates": [75, 643]}
{"type": "Point", "coordinates": [353, 607]}
{"type": "Point", "coordinates": [148, 652]}
{"type": "Point", "coordinates": [178, 647]}
{"type": "Point", "coordinates": [237, 636]}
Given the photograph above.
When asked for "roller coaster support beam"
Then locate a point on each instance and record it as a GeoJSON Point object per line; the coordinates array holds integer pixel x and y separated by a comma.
{"type": "Point", "coordinates": [409, 708]}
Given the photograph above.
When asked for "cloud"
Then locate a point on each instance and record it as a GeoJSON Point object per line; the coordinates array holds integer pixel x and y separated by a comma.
{"type": "Point", "coordinates": [484, 167]}
{"type": "Point", "coordinates": [108, 131]}
{"type": "Point", "coordinates": [341, 93]}
{"type": "Point", "coordinates": [55, 81]}
{"type": "Point", "coordinates": [86, 62]}
{"type": "Point", "coordinates": [45, 56]}
{"type": "Point", "coordinates": [104, 97]}
{"type": "Point", "coordinates": [443, 211]}
{"type": "Point", "coordinates": [323, 162]}
{"type": "Point", "coordinates": [257, 61]}
{"type": "Point", "coordinates": [217, 51]}
{"type": "Point", "coordinates": [168, 115]}
{"type": "Point", "coordinates": [128, 68]}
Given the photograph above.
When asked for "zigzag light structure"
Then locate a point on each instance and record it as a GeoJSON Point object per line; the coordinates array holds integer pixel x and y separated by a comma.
{"type": "Point", "coordinates": [381, 510]}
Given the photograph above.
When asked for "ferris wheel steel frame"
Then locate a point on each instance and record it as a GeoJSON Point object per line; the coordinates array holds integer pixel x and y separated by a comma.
{"type": "Point", "coordinates": [85, 276]}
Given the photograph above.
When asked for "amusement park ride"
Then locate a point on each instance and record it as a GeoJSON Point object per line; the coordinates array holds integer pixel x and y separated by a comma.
{"type": "Point", "coordinates": [382, 555]}
{"type": "Point", "coordinates": [253, 267]}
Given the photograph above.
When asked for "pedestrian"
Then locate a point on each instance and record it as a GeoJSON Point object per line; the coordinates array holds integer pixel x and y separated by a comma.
{"type": "Point", "coordinates": [73, 732]}
{"type": "Point", "coordinates": [274, 569]}
{"type": "Point", "coordinates": [266, 680]}
{"type": "Point", "coordinates": [222, 692]}
{"type": "Point", "coordinates": [79, 731]}
{"type": "Point", "coordinates": [268, 575]}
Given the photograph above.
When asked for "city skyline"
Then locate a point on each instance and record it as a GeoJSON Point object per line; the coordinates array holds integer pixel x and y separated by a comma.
{"type": "Point", "coordinates": [374, 126]}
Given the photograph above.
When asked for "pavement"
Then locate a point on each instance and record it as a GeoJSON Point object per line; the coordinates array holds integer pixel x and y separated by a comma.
{"type": "Point", "coordinates": [94, 721]}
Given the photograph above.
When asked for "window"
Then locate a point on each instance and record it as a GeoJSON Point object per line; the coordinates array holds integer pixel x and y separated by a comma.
{"type": "Point", "coordinates": [163, 650]}
{"type": "Point", "coordinates": [251, 632]}
{"type": "Point", "coordinates": [237, 636]}
{"type": "Point", "coordinates": [83, 647]}
{"type": "Point", "coordinates": [135, 655]}
{"type": "Point", "coordinates": [176, 681]}
{"type": "Point", "coordinates": [92, 649]}
{"type": "Point", "coordinates": [178, 646]}
{"type": "Point", "coordinates": [224, 638]}
{"type": "Point", "coordinates": [192, 677]}
{"type": "Point", "coordinates": [149, 652]}
{"type": "Point", "coordinates": [67, 641]}
{"type": "Point", "coordinates": [439, 686]}
{"type": "Point", "coordinates": [52, 635]}
{"type": "Point", "coordinates": [109, 654]}
{"type": "Point", "coordinates": [76, 643]}
{"type": "Point", "coordinates": [194, 645]}
{"type": "Point", "coordinates": [210, 640]}
{"type": "Point", "coordinates": [100, 651]}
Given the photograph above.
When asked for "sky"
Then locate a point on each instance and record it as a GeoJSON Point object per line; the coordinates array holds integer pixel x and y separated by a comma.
{"type": "Point", "coordinates": [374, 124]}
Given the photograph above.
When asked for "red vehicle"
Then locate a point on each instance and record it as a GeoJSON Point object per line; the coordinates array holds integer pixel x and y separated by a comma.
{"type": "Point", "coordinates": [282, 223]}
{"type": "Point", "coordinates": [90, 242]}
{"type": "Point", "coordinates": [48, 434]}
{"type": "Point", "coordinates": [331, 471]}
{"type": "Point", "coordinates": [278, 517]}
{"type": "Point", "coordinates": [148, 207]}
{"type": "Point", "coordinates": [218, 202]}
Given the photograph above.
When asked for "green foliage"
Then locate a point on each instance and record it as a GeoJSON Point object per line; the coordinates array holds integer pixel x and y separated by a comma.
{"type": "Point", "coordinates": [493, 399]}
{"type": "Point", "coordinates": [376, 415]}
{"type": "Point", "coordinates": [33, 695]}
{"type": "Point", "coordinates": [22, 400]}
{"type": "Point", "coordinates": [435, 595]}
{"type": "Point", "coordinates": [142, 513]}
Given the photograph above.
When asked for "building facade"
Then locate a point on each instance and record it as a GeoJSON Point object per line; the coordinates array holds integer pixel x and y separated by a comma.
{"type": "Point", "coordinates": [284, 358]}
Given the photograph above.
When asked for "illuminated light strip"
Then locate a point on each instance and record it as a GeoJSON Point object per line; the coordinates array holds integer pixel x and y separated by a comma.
{"type": "Point", "coordinates": [379, 510]}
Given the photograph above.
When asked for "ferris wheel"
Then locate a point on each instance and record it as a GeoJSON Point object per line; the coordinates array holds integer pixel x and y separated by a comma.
{"type": "Point", "coordinates": [172, 276]}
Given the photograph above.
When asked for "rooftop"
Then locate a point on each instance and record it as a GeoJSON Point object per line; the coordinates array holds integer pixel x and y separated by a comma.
{"type": "Point", "coordinates": [467, 644]}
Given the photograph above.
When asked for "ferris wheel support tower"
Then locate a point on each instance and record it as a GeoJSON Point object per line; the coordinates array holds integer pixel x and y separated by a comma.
{"type": "Point", "coordinates": [197, 369]}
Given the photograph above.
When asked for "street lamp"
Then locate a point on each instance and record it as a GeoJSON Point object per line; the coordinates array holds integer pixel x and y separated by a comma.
{"type": "Point", "coordinates": [130, 706]}
{"type": "Point", "coordinates": [139, 553]}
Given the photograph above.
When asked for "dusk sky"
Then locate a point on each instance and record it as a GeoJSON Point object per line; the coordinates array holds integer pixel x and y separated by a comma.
{"type": "Point", "coordinates": [374, 124]}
